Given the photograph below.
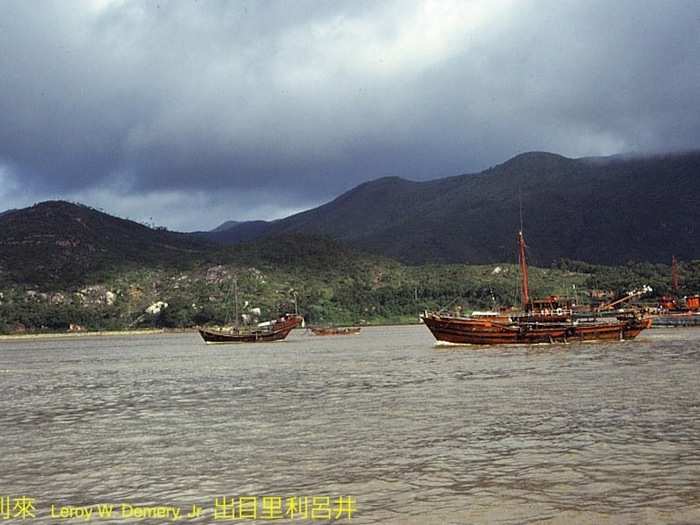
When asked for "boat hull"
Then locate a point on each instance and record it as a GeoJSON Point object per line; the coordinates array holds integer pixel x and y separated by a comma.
{"type": "Point", "coordinates": [486, 332]}
{"type": "Point", "coordinates": [277, 331]}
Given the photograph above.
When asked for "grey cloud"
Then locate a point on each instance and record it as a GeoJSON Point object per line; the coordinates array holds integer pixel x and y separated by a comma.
{"type": "Point", "coordinates": [291, 103]}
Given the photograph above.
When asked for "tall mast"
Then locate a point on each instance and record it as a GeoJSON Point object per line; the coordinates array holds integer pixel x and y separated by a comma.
{"type": "Point", "coordinates": [524, 288]}
{"type": "Point", "coordinates": [674, 274]}
{"type": "Point", "coordinates": [235, 296]}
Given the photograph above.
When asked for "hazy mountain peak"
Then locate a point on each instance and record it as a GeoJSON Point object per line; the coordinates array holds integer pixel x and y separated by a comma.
{"type": "Point", "coordinates": [225, 226]}
{"type": "Point", "coordinates": [537, 159]}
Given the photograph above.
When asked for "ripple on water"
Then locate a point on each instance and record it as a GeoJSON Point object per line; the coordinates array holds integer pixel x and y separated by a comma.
{"type": "Point", "coordinates": [603, 433]}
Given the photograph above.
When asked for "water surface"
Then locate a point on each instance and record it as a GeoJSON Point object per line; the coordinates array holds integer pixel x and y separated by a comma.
{"type": "Point", "coordinates": [418, 434]}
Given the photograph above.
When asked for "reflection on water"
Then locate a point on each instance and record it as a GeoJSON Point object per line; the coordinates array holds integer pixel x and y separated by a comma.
{"type": "Point", "coordinates": [580, 433]}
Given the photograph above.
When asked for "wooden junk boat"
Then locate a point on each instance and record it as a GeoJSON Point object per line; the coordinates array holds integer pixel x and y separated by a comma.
{"type": "Point", "coordinates": [275, 330]}
{"type": "Point", "coordinates": [545, 321]}
{"type": "Point", "coordinates": [335, 330]}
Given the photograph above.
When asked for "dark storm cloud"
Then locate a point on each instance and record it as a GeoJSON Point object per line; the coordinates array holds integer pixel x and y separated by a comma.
{"type": "Point", "coordinates": [267, 107]}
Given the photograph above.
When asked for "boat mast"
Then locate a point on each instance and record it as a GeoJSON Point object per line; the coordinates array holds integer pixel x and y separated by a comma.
{"type": "Point", "coordinates": [235, 297]}
{"type": "Point", "coordinates": [674, 275]}
{"type": "Point", "coordinates": [524, 285]}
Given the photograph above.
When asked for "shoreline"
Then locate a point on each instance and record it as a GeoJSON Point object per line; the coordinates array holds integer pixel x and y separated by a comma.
{"type": "Point", "coordinates": [104, 333]}
{"type": "Point", "coordinates": [147, 331]}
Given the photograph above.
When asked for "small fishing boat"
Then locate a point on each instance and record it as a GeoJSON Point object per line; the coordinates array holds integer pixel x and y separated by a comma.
{"type": "Point", "coordinates": [335, 330]}
{"type": "Point", "coordinates": [275, 330]}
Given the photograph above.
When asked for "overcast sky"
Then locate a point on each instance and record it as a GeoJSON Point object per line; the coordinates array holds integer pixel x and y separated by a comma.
{"type": "Point", "coordinates": [190, 113]}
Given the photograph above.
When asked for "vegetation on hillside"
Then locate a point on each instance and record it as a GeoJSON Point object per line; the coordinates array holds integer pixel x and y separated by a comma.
{"type": "Point", "coordinates": [331, 284]}
{"type": "Point", "coordinates": [64, 266]}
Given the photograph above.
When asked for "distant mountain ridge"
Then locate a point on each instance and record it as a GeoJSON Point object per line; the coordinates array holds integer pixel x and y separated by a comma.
{"type": "Point", "coordinates": [61, 241]}
{"type": "Point", "coordinates": [237, 232]}
{"type": "Point", "coordinates": [55, 245]}
{"type": "Point", "coordinates": [598, 210]}
{"type": "Point", "coordinates": [606, 210]}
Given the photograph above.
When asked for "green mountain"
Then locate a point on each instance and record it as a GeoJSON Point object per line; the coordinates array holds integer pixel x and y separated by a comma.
{"type": "Point", "coordinates": [54, 243]}
{"type": "Point", "coordinates": [600, 210]}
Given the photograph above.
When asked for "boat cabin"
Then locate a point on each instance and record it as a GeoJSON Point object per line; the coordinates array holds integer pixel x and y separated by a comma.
{"type": "Point", "coordinates": [551, 305]}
